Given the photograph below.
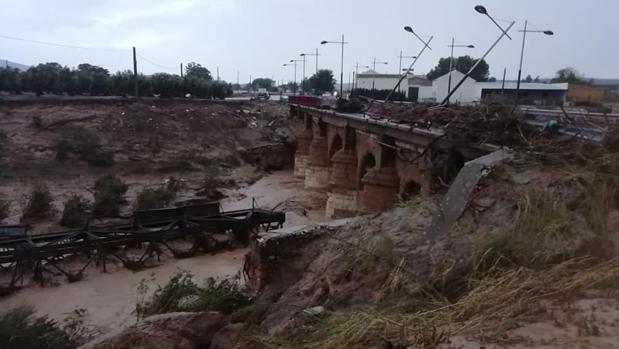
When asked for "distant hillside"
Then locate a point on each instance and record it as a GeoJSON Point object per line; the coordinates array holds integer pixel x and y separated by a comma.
{"type": "Point", "coordinates": [4, 63]}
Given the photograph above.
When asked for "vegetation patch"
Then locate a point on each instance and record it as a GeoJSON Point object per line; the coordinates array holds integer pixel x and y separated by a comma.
{"type": "Point", "coordinates": [181, 293]}
{"type": "Point", "coordinates": [158, 197]}
{"type": "Point", "coordinates": [76, 212]}
{"type": "Point", "coordinates": [109, 196]}
{"type": "Point", "coordinates": [39, 204]}
{"type": "Point", "coordinates": [20, 329]}
{"type": "Point", "coordinates": [86, 144]}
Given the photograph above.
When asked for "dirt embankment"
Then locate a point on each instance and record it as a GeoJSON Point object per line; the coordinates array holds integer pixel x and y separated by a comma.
{"type": "Point", "coordinates": [532, 262]}
{"type": "Point", "coordinates": [207, 145]}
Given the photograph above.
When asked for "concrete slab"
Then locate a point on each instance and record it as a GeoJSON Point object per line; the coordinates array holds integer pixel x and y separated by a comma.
{"type": "Point", "coordinates": [459, 194]}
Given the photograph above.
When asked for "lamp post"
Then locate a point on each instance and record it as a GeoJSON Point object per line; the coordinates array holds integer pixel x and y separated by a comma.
{"type": "Point", "coordinates": [400, 67]}
{"type": "Point", "coordinates": [483, 11]}
{"type": "Point", "coordinates": [524, 37]}
{"type": "Point", "coordinates": [342, 64]}
{"type": "Point", "coordinates": [357, 66]}
{"type": "Point", "coordinates": [451, 61]}
{"type": "Point", "coordinates": [313, 54]}
{"type": "Point", "coordinates": [410, 67]}
{"type": "Point", "coordinates": [295, 74]}
{"type": "Point", "coordinates": [374, 69]}
{"type": "Point", "coordinates": [400, 57]}
{"type": "Point", "coordinates": [303, 79]}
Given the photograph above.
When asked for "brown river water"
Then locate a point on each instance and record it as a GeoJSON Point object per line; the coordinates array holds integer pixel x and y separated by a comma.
{"type": "Point", "coordinates": [106, 301]}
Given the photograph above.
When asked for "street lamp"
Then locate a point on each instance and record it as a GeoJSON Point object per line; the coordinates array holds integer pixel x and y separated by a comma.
{"type": "Point", "coordinates": [425, 45]}
{"type": "Point", "coordinates": [295, 74]}
{"type": "Point", "coordinates": [400, 57]}
{"type": "Point", "coordinates": [342, 65]}
{"type": "Point", "coordinates": [451, 61]}
{"type": "Point", "coordinates": [524, 37]}
{"type": "Point", "coordinates": [374, 69]}
{"type": "Point", "coordinates": [313, 54]}
{"type": "Point", "coordinates": [357, 66]}
{"type": "Point", "coordinates": [302, 80]}
{"type": "Point", "coordinates": [483, 11]}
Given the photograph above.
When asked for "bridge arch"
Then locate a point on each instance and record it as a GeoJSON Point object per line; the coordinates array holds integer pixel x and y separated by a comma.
{"type": "Point", "coordinates": [368, 162]}
{"type": "Point", "coordinates": [335, 145]}
{"type": "Point", "coordinates": [409, 190]}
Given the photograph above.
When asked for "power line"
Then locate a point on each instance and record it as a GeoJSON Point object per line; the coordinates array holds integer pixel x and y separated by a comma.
{"type": "Point", "coordinates": [61, 45]}
{"type": "Point", "coordinates": [155, 64]}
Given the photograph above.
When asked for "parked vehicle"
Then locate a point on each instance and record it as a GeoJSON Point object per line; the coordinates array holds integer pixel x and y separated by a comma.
{"type": "Point", "coordinates": [263, 94]}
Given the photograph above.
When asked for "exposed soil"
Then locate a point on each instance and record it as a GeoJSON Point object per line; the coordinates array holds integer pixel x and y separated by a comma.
{"type": "Point", "coordinates": [208, 146]}
{"type": "Point", "coordinates": [532, 262]}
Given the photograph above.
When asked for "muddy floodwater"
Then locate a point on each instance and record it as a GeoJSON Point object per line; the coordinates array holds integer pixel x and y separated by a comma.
{"type": "Point", "coordinates": [106, 301]}
{"type": "Point", "coordinates": [280, 190]}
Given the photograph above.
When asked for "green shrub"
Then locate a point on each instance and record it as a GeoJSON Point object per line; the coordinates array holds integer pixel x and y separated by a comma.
{"type": "Point", "coordinates": [86, 144]}
{"type": "Point", "coordinates": [224, 296]}
{"type": "Point", "coordinates": [181, 293]}
{"type": "Point", "coordinates": [109, 196]}
{"type": "Point", "coordinates": [19, 329]}
{"type": "Point", "coordinates": [151, 198]}
{"type": "Point", "coordinates": [5, 209]}
{"type": "Point", "coordinates": [76, 212]}
{"type": "Point", "coordinates": [39, 204]}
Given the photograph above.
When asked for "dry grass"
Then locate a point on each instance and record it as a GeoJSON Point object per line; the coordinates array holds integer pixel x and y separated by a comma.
{"type": "Point", "coordinates": [492, 304]}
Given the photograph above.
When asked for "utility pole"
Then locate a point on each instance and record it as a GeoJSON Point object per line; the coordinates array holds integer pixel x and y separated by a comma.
{"type": "Point", "coordinates": [237, 77]}
{"type": "Point", "coordinates": [135, 74]}
{"type": "Point", "coordinates": [374, 69]}
{"type": "Point", "coordinates": [316, 60]}
{"type": "Point", "coordinates": [357, 66]}
{"type": "Point", "coordinates": [503, 87]}
{"type": "Point", "coordinates": [181, 70]}
{"type": "Point", "coordinates": [217, 73]}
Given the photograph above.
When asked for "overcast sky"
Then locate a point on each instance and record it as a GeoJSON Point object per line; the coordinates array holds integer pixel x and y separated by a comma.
{"type": "Point", "coordinates": [255, 37]}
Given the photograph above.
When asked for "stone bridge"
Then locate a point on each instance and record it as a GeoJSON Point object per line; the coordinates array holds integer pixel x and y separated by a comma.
{"type": "Point", "coordinates": [364, 164]}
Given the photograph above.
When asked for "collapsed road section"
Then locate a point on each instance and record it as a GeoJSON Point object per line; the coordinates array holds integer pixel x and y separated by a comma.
{"type": "Point", "coordinates": [151, 230]}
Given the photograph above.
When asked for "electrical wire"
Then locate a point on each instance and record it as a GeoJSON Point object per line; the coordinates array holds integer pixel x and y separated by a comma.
{"type": "Point", "coordinates": [155, 64]}
{"type": "Point", "coordinates": [61, 45]}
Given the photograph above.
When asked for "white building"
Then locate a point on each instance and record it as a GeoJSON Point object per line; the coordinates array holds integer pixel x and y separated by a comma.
{"type": "Point", "coordinates": [371, 80]}
{"type": "Point", "coordinates": [472, 91]}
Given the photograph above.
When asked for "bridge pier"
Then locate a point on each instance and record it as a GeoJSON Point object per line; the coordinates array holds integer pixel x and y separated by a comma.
{"type": "Point", "coordinates": [317, 171]}
{"type": "Point", "coordinates": [343, 199]}
{"type": "Point", "coordinates": [304, 138]}
{"type": "Point", "coordinates": [301, 156]}
{"type": "Point", "coordinates": [380, 189]}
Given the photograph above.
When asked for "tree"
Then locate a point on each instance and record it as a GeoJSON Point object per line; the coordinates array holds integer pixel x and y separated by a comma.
{"type": "Point", "coordinates": [195, 70]}
{"type": "Point", "coordinates": [322, 81]}
{"type": "Point", "coordinates": [537, 79]}
{"type": "Point", "coordinates": [492, 79]}
{"type": "Point", "coordinates": [92, 79]}
{"type": "Point", "coordinates": [10, 80]}
{"type": "Point", "coordinates": [44, 78]}
{"type": "Point", "coordinates": [167, 85]}
{"type": "Point", "coordinates": [462, 64]}
{"type": "Point", "coordinates": [528, 79]}
{"type": "Point", "coordinates": [569, 75]}
{"type": "Point", "coordinates": [263, 83]}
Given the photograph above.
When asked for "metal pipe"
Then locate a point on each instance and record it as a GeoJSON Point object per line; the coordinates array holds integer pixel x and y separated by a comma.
{"type": "Point", "coordinates": [426, 44]}
{"type": "Point", "coordinates": [524, 37]}
{"type": "Point", "coordinates": [503, 33]}
{"type": "Point", "coordinates": [451, 64]}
